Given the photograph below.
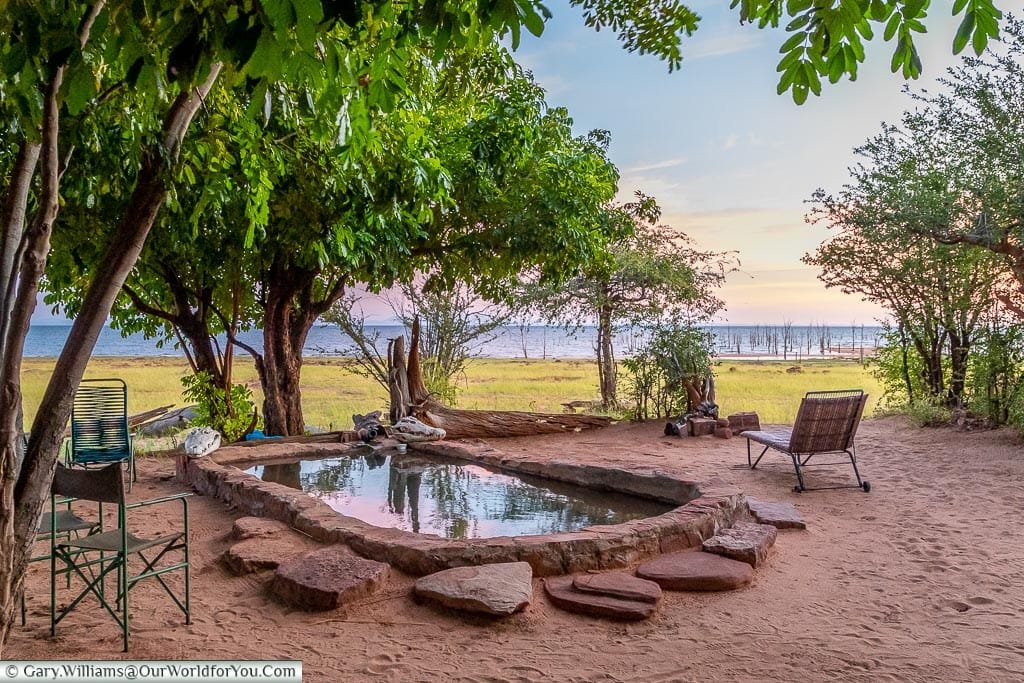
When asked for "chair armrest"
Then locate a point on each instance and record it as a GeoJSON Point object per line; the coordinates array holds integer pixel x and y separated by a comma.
{"type": "Point", "coordinates": [156, 501]}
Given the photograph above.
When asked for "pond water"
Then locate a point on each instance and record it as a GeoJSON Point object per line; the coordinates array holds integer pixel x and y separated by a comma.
{"type": "Point", "coordinates": [453, 498]}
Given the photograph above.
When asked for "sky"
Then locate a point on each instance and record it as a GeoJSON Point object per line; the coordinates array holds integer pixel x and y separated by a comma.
{"type": "Point", "coordinates": [731, 162]}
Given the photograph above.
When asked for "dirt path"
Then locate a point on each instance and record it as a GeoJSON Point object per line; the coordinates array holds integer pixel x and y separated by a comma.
{"type": "Point", "coordinates": [922, 579]}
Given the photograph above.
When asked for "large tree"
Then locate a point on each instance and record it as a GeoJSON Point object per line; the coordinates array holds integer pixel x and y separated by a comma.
{"type": "Point", "coordinates": [653, 273]}
{"type": "Point", "coordinates": [955, 158]}
{"type": "Point", "coordinates": [59, 62]}
{"type": "Point", "coordinates": [471, 177]}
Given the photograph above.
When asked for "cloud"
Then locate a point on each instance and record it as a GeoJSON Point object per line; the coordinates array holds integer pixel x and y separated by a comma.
{"type": "Point", "coordinates": [657, 165]}
{"type": "Point", "coordinates": [731, 141]}
{"type": "Point", "coordinates": [722, 44]}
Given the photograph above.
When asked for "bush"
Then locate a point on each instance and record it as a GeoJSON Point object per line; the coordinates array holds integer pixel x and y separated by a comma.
{"type": "Point", "coordinates": [996, 376]}
{"type": "Point", "coordinates": [674, 356]}
{"type": "Point", "coordinates": [212, 407]}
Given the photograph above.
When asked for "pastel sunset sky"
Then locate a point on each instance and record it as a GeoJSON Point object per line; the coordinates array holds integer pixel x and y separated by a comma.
{"type": "Point", "coordinates": [729, 160]}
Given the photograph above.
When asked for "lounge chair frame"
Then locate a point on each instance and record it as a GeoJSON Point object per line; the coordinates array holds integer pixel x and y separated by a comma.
{"type": "Point", "coordinates": [825, 424]}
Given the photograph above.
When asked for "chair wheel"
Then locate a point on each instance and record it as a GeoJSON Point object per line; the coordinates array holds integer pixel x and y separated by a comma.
{"type": "Point", "coordinates": [798, 489]}
{"type": "Point", "coordinates": [866, 486]}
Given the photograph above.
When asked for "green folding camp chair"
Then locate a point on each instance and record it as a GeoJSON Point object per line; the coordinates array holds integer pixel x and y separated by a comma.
{"type": "Point", "coordinates": [60, 524]}
{"type": "Point", "coordinates": [99, 425]}
{"type": "Point", "coordinates": [109, 551]}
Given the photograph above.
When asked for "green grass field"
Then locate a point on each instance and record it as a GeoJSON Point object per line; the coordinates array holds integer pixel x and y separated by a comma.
{"type": "Point", "coordinates": [331, 392]}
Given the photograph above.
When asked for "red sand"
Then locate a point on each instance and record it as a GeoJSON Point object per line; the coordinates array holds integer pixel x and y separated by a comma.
{"type": "Point", "coordinates": [922, 579]}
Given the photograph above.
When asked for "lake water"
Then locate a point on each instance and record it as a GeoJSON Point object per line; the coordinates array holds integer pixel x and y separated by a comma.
{"type": "Point", "coordinates": [536, 341]}
{"type": "Point", "coordinates": [453, 498]}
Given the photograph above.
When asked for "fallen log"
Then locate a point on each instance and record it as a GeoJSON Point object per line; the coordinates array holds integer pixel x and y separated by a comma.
{"type": "Point", "coordinates": [409, 397]}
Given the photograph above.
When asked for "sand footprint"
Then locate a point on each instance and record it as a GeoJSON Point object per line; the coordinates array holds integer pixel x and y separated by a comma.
{"type": "Point", "coordinates": [957, 605]}
{"type": "Point", "coordinates": [981, 601]}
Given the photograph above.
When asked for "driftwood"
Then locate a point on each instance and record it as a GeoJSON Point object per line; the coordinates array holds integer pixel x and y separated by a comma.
{"type": "Point", "coordinates": [409, 397]}
{"type": "Point", "coordinates": [327, 437]}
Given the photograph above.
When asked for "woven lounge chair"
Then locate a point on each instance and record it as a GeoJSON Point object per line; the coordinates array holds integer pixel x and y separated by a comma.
{"type": "Point", "coordinates": [826, 423]}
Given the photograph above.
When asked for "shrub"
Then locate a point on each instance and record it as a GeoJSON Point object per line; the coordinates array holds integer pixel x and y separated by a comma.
{"type": "Point", "coordinates": [674, 359]}
{"type": "Point", "coordinates": [996, 376]}
{"type": "Point", "coordinates": [212, 409]}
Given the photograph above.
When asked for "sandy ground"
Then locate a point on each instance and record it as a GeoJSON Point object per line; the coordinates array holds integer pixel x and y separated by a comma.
{"type": "Point", "coordinates": [920, 580]}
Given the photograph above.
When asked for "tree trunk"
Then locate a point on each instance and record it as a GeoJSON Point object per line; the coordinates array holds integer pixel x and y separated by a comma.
{"type": "Point", "coordinates": [905, 361]}
{"type": "Point", "coordinates": [607, 371]}
{"type": "Point", "coordinates": [959, 351]}
{"type": "Point", "coordinates": [24, 495]}
{"type": "Point", "coordinates": [414, 399]}
{"type": "Point", "coordinates": [281, 375]}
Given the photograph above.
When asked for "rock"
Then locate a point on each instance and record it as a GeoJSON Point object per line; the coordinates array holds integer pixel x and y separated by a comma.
{"type": "Point", "coordinates": [411, 430]}
{"type": "Point", "coordinates": [742, 422]}
{"type": "Point", "coordinates": [201, 441]}
{"type": "Point", "coordinates": [563, 594]}
{"type": "Point", "coordinates": [256, 527]}
{"type": "Point", "coordinates": [257, 554]}
{"type": "Point", "coordinates": [744, 542]}
{"type": "Point", "coordinates": [326, 579]}
{"type": "Point", "coordinates": [500, 589]}
{"type": "Point", "coordinates": [778, 515]}
{"type": "Point", "coordinates": [722, 422]}
{"type": "Point", "coordinates": [702, 426]}
{"type": "Point", "coordinates": [693, 570]}
{"type": "Point", "coordinates": [723, 432]}
{"type": "Point", "coordinates": [618, 585]}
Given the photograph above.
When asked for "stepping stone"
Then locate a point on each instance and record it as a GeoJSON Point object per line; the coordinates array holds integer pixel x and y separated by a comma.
{"type": "Point", "coordinates": [693, 570]}
{"type": "Point", "coordinates": [778, 515]}
{"type": "Point", "coordinates": [258, 554]}
{"type": "Point", "coordinates": [501, 589]}
{"type": "Point", "coordinates": [563, 594]}
{"type": "Point", "coordinates": [257, 527]}
{"type": "Point", "coordinates": [326, 579]}
{"type": "Point", "coordinates": [618, 585]}
{"type": "Point", "coordinates": [744, 542]}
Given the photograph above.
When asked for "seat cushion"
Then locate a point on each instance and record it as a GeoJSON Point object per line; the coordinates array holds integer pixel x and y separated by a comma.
{"type": "Point", "coordinates": [776, 438]}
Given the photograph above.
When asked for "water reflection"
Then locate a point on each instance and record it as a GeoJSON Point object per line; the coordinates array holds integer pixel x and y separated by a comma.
{"type": "Point", "coordinates": [453, 498]}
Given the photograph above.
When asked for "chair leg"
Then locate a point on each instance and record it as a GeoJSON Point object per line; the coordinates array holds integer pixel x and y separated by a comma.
{"type": "Point", "coordinates": [799, 473]}
{"type": "Point", "coordinates": [753, 465]}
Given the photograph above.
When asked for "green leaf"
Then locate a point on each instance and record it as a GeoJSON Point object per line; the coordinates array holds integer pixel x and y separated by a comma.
{"type": "Point", "coordinates": [891, 26]}
{"type": "Point", "coordinates": [979, 41]}
{"type": "Point", "coordinates": [793, 41]}
{"type": "Point", "coordinates": [963, 34]}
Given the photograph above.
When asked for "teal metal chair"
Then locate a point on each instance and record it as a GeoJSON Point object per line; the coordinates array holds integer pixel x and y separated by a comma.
{"type": "Point", "coordinates": [109, 552]}
{"type": "Point", "coordinates": [99, 425]}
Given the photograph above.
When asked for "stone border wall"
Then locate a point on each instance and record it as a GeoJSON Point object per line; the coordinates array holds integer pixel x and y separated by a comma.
{"type": "Point", "coordinates": [598, 547]}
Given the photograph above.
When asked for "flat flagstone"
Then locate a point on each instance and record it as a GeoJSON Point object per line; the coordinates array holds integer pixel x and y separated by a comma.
{"type": "Point", "coordinates": [778, 515]}
{"type": "Point", "coordinates": [500, 589]}
{"type": "Point", "coordinates": [257, 527]}
{"type": "Point", "coordinates": [744, 542]}
{"type": "Point", "coordinates": [326, 579]}
{"type": "Point", "coordinates": [618, 585]}
{"type": "Point", "coordinates": [562, 594]}
{"type": "Point", "coordinates": [693, 570]}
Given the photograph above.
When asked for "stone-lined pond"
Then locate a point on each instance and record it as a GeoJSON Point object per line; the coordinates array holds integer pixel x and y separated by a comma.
{"type": "Point", "coordinates": [453, 498]}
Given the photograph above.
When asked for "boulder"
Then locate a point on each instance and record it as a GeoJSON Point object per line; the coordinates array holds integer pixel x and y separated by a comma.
{"type": "Point", "coordinates": [326, 579]}
{"type": "Point", "coordinates": [500, 589]}
{"type": "Point", "coordinates": [693, 570]}
{"type": "Point", "coordinates": [744, 542]}
{"type": "Point", "coordinates": [562, 593]}
{"type": "Point", "coordinates": [618, 585]}
{"type": "Point", "coordinates": [723, 432]}
{"type": "Point", "coordinates": [778, 515]}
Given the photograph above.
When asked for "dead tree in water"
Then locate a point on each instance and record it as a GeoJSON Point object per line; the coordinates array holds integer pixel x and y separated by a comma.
{"type": "Point", "coordinates": [409, 397]}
